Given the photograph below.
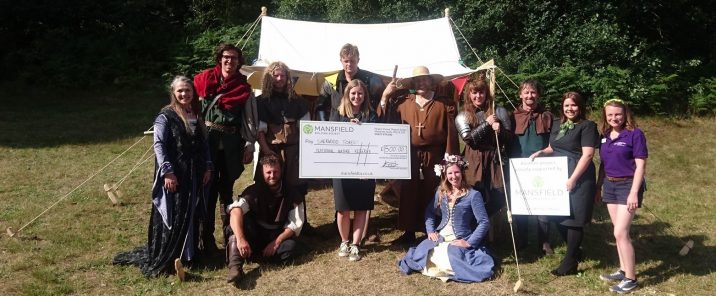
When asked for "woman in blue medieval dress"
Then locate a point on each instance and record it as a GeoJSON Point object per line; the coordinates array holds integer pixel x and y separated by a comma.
{"type": "Point", "coordinates": [454, 249]}
{"type": "Point", "coordinates": [182, 170]}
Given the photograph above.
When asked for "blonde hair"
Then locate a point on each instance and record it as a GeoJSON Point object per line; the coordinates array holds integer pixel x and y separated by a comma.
{"type": "Point", "coordinates": [267, 84]}
{"type": "Point", "coordinates": [349, 51]}
{"type": "Point", "coordinates": [346, 109]}
{"type": "Point", "coordinates": [469, 107]}
{"type": "Point", "coordinates": [446, 188]}
{"type": "Point", "coordinates": [178, 108]}
{"type": "Point", "coordinates": [629, 121]}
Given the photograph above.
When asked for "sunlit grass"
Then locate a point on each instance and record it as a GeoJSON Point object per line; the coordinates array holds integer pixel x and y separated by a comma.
{"type": "Point", "coordinates": [69, 249]}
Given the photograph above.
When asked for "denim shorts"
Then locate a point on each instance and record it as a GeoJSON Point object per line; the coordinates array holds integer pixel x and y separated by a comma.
{"type": "Point", "coordinates": [617, 192]}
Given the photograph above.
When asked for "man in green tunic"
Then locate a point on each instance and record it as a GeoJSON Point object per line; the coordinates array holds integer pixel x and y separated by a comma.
{"type": "Point", "coordinates": [229, 110]}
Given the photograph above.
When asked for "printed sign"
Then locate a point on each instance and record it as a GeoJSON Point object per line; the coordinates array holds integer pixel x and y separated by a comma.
{"type": "Point", "coordinates": [539, 187]}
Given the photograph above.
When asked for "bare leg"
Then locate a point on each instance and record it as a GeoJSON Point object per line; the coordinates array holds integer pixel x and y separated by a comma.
{"type": "Point", "coordinates": [359, 221]}
{"type": "Point", "coordinates": [344, 224]}
{"type": "Point", "coordinates": [621, 218]}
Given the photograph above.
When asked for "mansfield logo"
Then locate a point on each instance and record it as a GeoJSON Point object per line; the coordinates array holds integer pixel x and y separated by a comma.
{"type": "Point", "coordinates": [308, 129]}
{"type": "Point", "coordinates": [538, 182]}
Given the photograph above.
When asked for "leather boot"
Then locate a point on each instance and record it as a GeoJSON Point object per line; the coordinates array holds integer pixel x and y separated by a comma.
{"type": "Point", "coordinates": [236, 263]}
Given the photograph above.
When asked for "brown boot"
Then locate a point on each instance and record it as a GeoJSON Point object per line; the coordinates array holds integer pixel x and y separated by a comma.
{"type": "Point", "coordinates": [236, 263]}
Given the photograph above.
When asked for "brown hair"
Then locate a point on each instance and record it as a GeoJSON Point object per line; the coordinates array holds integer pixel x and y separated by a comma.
{"type": "Point", "coordinates": [531, 83]}
{"type": "Point", "coordinates": [469, 107]}
{"type": "Point", "coordinates": [445, 187]}
{"type": "Point", "coordinates": [267, 84]}
{"type": "Point", "coordinates": [349, 51]}
{"type": "Point", "coordinates": [270, 160]}
{"type": "Point", "coordinates": [629, 121]}
{"type": "Point", "coordinates": [227, 47]}
{"type": "Point", "coordinates": [346, 109]}
{"type": "Point", "coordinates": [577, 98]}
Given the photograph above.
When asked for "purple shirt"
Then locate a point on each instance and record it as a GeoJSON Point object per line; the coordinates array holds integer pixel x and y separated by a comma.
{"type": "Point", "coordinates": [618, 155]}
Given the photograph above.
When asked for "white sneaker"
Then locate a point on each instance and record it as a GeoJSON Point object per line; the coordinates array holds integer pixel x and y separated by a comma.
{"type": "Point", "coordinates": [344, 249]}
{"type": "Point", "coordinates": [625, 286]}
{"type": "Point", "coordinates": [354, 253]}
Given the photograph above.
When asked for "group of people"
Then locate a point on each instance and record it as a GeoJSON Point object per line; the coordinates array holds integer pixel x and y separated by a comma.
{"type": "Point", "coordinates": [203, 138]}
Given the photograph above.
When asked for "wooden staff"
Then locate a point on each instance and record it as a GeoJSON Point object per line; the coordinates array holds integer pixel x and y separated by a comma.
{"type": "Point", "coordinates": [518, 284]}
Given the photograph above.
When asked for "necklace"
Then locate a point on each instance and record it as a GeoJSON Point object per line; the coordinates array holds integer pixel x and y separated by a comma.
{"type": "Point", "coordinates": [421, 123]}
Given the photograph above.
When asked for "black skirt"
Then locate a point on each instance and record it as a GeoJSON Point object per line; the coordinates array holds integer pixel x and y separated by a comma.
{"type": "Point", "coordinates": [353, 194]}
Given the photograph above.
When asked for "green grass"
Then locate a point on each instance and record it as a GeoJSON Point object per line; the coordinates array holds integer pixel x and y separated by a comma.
{"type": "Point", "coordinates": [51, 143]}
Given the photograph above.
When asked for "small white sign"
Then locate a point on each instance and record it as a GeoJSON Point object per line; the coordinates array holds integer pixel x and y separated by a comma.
{"type": "Point", "coordinates": [539, 187]}
{"type": "Point", "coordinates": [345, 150]}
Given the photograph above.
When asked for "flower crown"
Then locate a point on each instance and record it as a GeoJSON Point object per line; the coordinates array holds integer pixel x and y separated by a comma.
{"type": "Point", "coordinates": [448, 161]}
{"type": "Point", "coordinates": [615, 100]}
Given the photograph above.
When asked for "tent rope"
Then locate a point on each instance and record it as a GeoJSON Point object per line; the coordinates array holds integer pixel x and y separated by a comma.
{"type": "Point", "coordinates": [505, 95]}
{"type": "Point", "coordinates": [480, 60]}
{"type": "Point", "coordinates": [250, 32]}
{"type": "Point", "coordinates": [144, 158]}
{"type": "Point", "coordinates": [466, 41]}
{"type": "Point", "coordinates": [507, 76]}
{"type": "Point", "coordinates": [85, 181]}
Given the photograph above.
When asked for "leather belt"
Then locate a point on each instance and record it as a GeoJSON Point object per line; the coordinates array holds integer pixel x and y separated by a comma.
{"type": "Point", "coordinates": [221, 127]}
{"type": "Point", "coordinates": [612, 179]}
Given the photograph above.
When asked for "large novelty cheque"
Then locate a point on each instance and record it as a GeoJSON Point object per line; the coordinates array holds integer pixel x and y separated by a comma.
{"type": "Point", "coordinates": [539, 187]}
{"type": "Point", "coordinates": [345, 150]}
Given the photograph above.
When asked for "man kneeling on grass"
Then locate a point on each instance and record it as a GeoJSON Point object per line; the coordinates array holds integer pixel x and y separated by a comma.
{"type": "Point", "coordinates": [263, 221]}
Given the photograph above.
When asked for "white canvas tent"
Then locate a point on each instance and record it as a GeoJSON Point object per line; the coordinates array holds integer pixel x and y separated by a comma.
{"type": "Point", "coordinates": [311, 49]}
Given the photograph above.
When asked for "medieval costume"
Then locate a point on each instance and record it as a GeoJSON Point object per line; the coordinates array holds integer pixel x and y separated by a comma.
{"type": "Point", "coordinates": [265, 216]}
{"type": "Point", "coordinates": [532, 130]}
{"type": "Point", "coordinates": [432, 134]}
{"type": "Point", "coordinates": [483, 172]}
{"type": "Point", "coordinates": [279, 120]}
{"type": "Point", "coordinates": [465, 219]}
{"type": "Point", "coordinates": [229, 109]}
{"type": "Point", "coordinates": [172, 225]}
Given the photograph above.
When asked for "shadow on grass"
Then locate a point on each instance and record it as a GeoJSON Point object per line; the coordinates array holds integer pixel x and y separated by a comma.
{"type": "Point", "coordinates": [656, 246]}
{"type": "Point", "coordinates": [36, 119]}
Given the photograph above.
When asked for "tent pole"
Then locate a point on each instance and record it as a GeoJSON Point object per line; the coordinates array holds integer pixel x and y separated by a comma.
{"type": "Point", "coordinates": [264, 11]}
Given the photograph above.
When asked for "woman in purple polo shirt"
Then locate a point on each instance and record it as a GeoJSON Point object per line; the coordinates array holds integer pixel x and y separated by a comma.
{"type": "Point", "coordinates": [623, 153]}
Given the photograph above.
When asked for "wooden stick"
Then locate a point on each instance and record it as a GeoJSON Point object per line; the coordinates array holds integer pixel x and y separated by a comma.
{"type": "Point", "coordinates": [111, 192]}
{"type": "Point", "coordinates": [518, 284]}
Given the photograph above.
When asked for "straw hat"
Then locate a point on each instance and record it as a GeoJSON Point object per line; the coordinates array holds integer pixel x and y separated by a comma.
{"type": "Point", "coordinates": [418, 71]}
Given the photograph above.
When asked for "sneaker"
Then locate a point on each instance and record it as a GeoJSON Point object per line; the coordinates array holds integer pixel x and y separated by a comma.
{"type": "Point", "coordinates": [625, 286]}
{"type": "Point", "coordinates": [344, 249]}
{"type": "Point", "coordinates": [354, 253]}
{"type": "Point", "coordinates": [613, 277]}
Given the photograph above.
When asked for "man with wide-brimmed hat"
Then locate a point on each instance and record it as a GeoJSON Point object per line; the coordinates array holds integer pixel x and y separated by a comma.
{"type": "Point", "coordinates": [430, 110]}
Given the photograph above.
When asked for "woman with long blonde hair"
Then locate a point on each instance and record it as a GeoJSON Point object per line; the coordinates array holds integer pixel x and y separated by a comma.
{"type": "Point", "coordinates": [353, 195]}
{"type": "Point", "coordinates": [456, 223]}
{"type": "Point", "coordinates": [182, 173]}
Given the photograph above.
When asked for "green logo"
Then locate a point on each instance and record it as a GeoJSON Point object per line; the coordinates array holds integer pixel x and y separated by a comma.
{"type": "Point", "coordinates": [308, 129]}
{"type": "Point", "coordinates": [538, 182]}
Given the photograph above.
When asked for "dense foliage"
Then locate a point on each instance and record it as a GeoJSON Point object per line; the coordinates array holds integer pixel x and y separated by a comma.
{"type": "Point", "coordinates": [657, 54]}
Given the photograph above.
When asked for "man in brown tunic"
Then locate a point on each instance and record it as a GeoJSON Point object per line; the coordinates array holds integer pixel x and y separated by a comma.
{"type": "Point", "coordinates": [430, 112]}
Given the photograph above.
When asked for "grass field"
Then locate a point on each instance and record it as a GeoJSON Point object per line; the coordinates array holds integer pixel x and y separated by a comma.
{"type": "Point", "coordinates": [52, 142]}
